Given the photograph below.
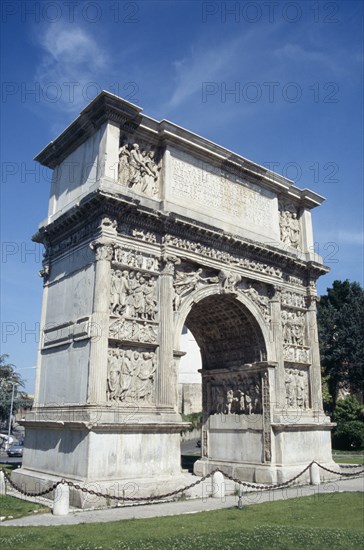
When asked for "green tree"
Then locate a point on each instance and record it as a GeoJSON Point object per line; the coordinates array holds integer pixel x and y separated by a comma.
{"type": "Point", "coordinates": [340, 316]}
{"type": "Point", "coordinates": [348, 410]}
{"type": "Point", "coordinates": [8, 379]}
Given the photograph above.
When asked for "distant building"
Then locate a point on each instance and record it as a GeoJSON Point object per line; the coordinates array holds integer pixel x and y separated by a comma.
{"type": "Point", "coordinates": [189, 380]}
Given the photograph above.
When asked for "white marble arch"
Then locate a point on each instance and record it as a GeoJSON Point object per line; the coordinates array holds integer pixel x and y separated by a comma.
{"type": "Point", "coordinates": [239, 234]}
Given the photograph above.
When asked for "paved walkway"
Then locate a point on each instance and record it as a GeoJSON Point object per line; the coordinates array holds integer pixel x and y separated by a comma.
{"type": "Point", "coordinates": [186, 507]}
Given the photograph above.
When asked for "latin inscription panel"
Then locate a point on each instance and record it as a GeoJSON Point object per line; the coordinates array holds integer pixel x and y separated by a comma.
{"type": "Point", "coordinates": [226, 196]}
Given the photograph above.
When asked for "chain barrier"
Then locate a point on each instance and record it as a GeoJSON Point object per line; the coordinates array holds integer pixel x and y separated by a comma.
{"type": "Point", "coordinates": [267, 487]}
{"type": "Point", "coordinates": [29, 493]}
{"type": "Point", "coordinates": [339, 473]}
{"type": "Point", "coordinates": [99, 494]}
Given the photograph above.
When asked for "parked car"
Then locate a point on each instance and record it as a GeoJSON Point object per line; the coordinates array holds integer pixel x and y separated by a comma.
{"type": "Point", "coordinates": [16, 450]}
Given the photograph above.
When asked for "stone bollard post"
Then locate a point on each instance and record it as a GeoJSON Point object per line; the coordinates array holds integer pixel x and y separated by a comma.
{"type": "Point", "coordinates": [61, 504]}
{"type": "Point", "coordinates": [218, 485]}
{"type": "Point", "coordinates": [2, 484]}
{"type": "Point", "coordinates": [315, 474]}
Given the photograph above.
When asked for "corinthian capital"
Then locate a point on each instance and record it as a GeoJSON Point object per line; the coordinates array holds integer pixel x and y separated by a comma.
{"type": "Point", "coordinates": [104, 250]}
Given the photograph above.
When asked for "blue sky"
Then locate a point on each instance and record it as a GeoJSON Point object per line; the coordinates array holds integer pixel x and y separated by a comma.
{"type": "Point", "coordinates": [280, 83]}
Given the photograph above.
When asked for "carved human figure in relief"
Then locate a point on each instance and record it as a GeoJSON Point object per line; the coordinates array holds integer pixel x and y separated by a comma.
{"type": "Point", "coordinates": [236, 396]}
{"type": "Point", "coordinates": [126, 375]}
{"type": "Point", "coordinates": [229, 280]}
{"type": "Point", "coordinates": [151, 172]}
{"type": "Point", "coordinates": [184, 284]}
{"type": "Point", "coordinates": [145, 376]}
{"type": "Point", "coordinates": [293, 327]}
{"type": "Point", "coordinates": [119, 291]}
{"type": "Point", "coordinates": [261, 301]}
{"type": "Point", "coordinates": [296, 389]}
{"type": "Point", "coordinates": [150, 299]}
{"type": "Point", "coordinates": [113, 378]}
{"type": "Point", "coordinates": [123, 171]}
{"type": "Point", "coordinates": [290, 393]}
{"type": "Point", "coordinates": [290, 227]}
{"type": "Point", "coordinates": [138, 169]}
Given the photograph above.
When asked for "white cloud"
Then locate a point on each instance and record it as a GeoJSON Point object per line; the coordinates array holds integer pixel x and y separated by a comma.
{"type": "Point", "coordinates": [204, 64]}
{"type": "Point", "coordinates": [70, 70]}
{"type": "Point", "coordinates": [295, 53]}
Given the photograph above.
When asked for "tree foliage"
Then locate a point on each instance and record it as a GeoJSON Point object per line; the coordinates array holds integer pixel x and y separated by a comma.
{"type": "Point", "coordinates": [8, 379]}
{"type": "Point", "coordinates": [340, 316]}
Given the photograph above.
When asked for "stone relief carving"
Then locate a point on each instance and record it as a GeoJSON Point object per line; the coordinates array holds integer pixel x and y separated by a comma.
{"type": "Point", "coordinates": [236, 395]}
{"type": "Point", "coordinates": [142, 235]}
{"type": "Point", "coordinates": [45, 272]}
{"type": "Point", "coordinates": [138, 169]}
{"type": "Point", "coordinates": [294, 280]}
{"type": "Point", "coordinates": [289, 225]}
{"type": "Point", "coordinates": [297, 392]}
{"type": "Point", "coordinates": [223, 256]}
{"type": "Point", "coordinates": [292, 299]}
{"type": "Point", "coordinates": [186, 282]}
{"type": "Point", "coordinates": [130, 375]}
{"type": "Point", "coordinates": [296, 354]}
{"type": "Point", "coordinates": [123, 329]}
{"type": "Point", "coordinates": [108, 223]}
{"type": "Point", "coordinates": [134, 258]}
{"type": "Point", "coordinates": [259, 299]}
{"type": "Point", "coordinates": [229, 280]}
{"type": "Point", "coordinates": [293, 324]}
{"type": "Point", "coordinates": [293, 330]}
{"type": "Point", "coordinates": [103, 250]}
{"type": "Point", "coordinates": [133, 294]}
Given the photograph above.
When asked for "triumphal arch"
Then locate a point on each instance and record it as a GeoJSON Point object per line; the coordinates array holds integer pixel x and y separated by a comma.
{"type": "Point", "coordinates": [150, 228]}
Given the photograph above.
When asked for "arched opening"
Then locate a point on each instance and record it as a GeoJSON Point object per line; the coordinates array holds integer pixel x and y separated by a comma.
{"type": "Point", "coordinates": [226, 331]}
{"type": "Point", "coordinates": [233, 353]}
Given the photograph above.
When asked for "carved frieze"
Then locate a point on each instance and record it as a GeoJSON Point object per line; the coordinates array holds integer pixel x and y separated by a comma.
{"type": "Point", "coordinates": [235, 394]}
{"type": "Point", "coordinates": [134, 331]}
{"type": "Point", "coordinates": [293, 299]}
{"type": "Point", "coordinates": [139, 168]}
{"type": "Point", "coordinates": [142, 235]}
{"type": "Point", "coordinates": [297, 389]}
{"type": "Point", "coordinates": [223, 256]}
{"type": "Point", "coordinates": [296, 354]}
{"type": "Point", "coordinates": [130, 375]}
{"type": "Point", "coordinates": [135, 259]}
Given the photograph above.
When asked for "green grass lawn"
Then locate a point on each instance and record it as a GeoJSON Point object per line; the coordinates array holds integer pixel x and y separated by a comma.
{"type": "Point", "coordinates": [17, 507]}
{"type": "Point", "coordinates": [348, 457]}
{"type": "Point", "coordinates": [348, 460]}
{"type": "Point", "coordinates": [320, 522]}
